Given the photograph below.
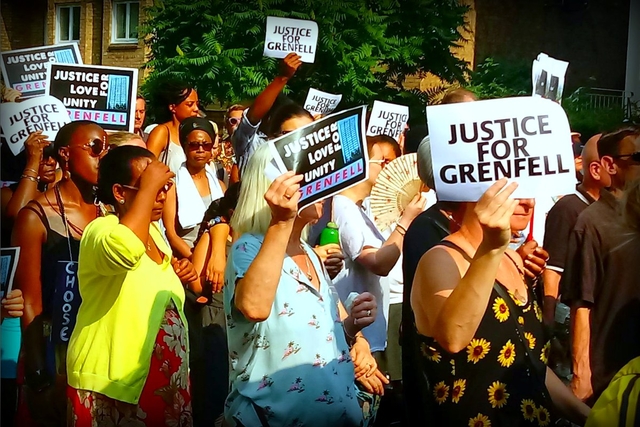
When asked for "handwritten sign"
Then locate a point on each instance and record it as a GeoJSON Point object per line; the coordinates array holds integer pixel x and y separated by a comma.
{"type": "Point", "coordinates": [319, 102]}
{"type": "Point", "coordinates": [548, 77]}
{"type": "Point", "coordinates": [105, 95]}
{"type": "Point", "coordinates": [388, 119]}
{"type": "Point", "coordinates": [25, 70]}
{"type": "Point", "coordinates": [8, 264]}
{"type": "Point", "coordinates": [286, 35]}
{"type": "Point", "coordinates": [527, 140]}
{"type": "Point", "coordinates": [66, 301]}
{"type": "Point", "coordinates": [20, 119]}
{"type": "Point", "coordinates": [330, 153]}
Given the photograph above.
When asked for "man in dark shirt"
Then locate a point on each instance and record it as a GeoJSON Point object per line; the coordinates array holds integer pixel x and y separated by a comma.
{"type": "Point", "coordinates": [600, 280]}
{"type": "Point", "coordinates": [562, 218]}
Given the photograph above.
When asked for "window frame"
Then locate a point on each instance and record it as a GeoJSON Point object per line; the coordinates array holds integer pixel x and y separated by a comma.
{"type": "Point", "coordinates": [114, 29]}
{"type": "Point", "coordinates": [73, 7]}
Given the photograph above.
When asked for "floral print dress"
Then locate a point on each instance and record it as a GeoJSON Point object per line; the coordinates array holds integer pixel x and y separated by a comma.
{"type": "Point", "coordinates": [492, 382]}
{"type": "Point", "coordinates": [165, 398]}
{"type": "Point", "coordinates": [293, 369]}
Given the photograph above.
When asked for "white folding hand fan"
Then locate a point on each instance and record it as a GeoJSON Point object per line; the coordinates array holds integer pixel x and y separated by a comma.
{"type": "Point", "coordinates": [395, 187]}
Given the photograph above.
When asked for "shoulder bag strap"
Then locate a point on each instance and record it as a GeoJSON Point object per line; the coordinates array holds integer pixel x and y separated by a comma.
{"type": "Point", "coordinates": [165, 153]}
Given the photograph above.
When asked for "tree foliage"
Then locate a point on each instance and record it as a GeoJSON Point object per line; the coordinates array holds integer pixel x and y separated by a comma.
{"type": "Point", "coordinates": [366, 48]}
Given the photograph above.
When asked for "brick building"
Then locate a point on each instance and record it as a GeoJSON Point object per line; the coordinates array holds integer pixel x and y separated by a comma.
{"type": "Point", "coordinates": [106, 30]}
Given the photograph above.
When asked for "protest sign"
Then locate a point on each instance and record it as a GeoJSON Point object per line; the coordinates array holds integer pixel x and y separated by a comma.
{"type": "Point", "coordinates": [20, 119]}
{"type": "Point", "coordinates": [8, 264]}
{"type": "Point", "coordinates": [319, 102]}
{"type": "Point", "coordinates": [105, 95]}
{"type": "Point", "coordinates": [286, 35]}
{"type": "Point", "coordinates": [25, 70]}
{"type": "Point", "coordinates": [330, 153]}
{"type": "Point", "coordinates": [388, 119]}
{"type": "Point", "coordinates": [548, 77]}
{"type": "Point", "coordinates": [473, 144]}
{"type": "Point", "coordinates": [66, 301]}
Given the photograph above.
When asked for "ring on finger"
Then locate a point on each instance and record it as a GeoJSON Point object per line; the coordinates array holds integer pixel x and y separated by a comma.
{"type": "Point", "coordinates": [355, 320]}
{"type": "Point", "coordinates": [288, 197]}
{"type": "Point", "coordinates": [368, 313]}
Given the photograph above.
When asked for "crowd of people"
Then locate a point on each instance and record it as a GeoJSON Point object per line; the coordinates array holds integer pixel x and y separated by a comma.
{"type": "Point", "coordinates": [165, 280]}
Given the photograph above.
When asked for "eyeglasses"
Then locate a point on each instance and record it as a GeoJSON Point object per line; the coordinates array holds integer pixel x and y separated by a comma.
{"type": "Point", "coordinates": [233, 121]}
{"type": "Point", "coordinates": [206, 146]}
{"type": "Point", "coordinates": [381, 162]}
{"type": "Point", "coordinates": [164, 189]}
{"type": "Point", "coordinates": [634, 156]}
{"type": "Point", "coordinates": [96, 147]}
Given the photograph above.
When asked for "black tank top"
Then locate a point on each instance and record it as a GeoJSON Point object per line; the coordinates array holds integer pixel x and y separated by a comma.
{"type": "Point", "coordinates": [55, 251]}
{"type": "Point", "coordinates": [493, 381]}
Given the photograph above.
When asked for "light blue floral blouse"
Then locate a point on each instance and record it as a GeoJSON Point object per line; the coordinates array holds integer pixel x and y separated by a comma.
{"type": "Point", "coordinates": [294, 367]}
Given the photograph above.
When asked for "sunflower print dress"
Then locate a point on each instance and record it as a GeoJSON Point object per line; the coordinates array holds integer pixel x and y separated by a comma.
{"type": "Point", "coordinates": [492, 382]}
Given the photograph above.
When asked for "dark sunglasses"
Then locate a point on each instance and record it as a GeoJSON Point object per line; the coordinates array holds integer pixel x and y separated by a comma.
{"type": "Point", "coordinates": [95, 147]}
{"type": "Point", "coordinates": [634, 156]}
{"type": "Point", "coordinates": [206, 146]}
{"type": "Point", "coordinates": [164, 189]}
{"type": "Point", "coordinates": [233, 121]}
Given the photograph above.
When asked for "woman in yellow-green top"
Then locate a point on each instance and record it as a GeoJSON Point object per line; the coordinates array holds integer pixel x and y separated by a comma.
{"type": "Point", "coordinates": [127, 357]}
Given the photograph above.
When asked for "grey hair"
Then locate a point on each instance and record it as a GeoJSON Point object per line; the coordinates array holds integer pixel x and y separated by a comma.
{"type": "Point", "coordinates": [425, 166]}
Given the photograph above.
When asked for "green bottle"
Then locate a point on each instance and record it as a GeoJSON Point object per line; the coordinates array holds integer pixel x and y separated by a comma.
{"type": "Point", "coordinates": [330, 234]}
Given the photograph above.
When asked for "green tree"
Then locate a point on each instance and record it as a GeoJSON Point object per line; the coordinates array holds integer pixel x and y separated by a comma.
{"type": "Point", "coordinates": [366, 48]}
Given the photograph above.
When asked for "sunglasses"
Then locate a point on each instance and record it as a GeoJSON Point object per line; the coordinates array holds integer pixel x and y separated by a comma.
{"type": "Point", "coordinates": [233, 121]}
{"type": "Point", "coordinates": [206, 146]}
{"type": "Point", "coordinates": [634, 156]}
{"type": "Point", "coordinates": [96, 147]}
{"type": "Point", "coordinates": [164, 189]}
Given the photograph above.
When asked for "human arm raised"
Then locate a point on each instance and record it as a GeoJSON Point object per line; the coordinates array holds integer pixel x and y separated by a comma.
{"type": "Point", "coordinates": [27, 189]}
{"type": "Point", "coordinates": [450, 308]}
{"type": "Point", "coordinates": [381, 260]}
{"type": "Point", "coordinates": [256, 291]}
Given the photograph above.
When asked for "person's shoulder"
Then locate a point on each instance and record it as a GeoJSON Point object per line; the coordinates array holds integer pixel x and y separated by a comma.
{"type": "Point", "coordinates": [247, 240]}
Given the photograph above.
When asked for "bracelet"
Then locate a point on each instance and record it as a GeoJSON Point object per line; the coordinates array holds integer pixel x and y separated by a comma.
{"type": "Point", "coordinates": [401, 227]}
{"type": "Point", "coordinates": [215, 221]}
{"type": "Point", "coordinates": [31, 178]}
{"type": "Point", "coordinates": [31, 170]}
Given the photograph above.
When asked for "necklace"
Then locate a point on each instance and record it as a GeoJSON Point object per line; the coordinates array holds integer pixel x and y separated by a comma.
{"type": "Point", "coordinates": [306, 260]}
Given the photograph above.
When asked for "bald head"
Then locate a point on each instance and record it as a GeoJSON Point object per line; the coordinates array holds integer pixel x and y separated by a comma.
{"type": "Point", "coordinates": [590, 150]}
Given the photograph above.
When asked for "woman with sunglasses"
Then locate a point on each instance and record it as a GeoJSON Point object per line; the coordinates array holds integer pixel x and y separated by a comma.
{"type": "Point", "coordinates": [127, 357]}
{"type": "Point", "coordinates": [179, 102]}
{"type": "Point", "coordinates": [48, 231]}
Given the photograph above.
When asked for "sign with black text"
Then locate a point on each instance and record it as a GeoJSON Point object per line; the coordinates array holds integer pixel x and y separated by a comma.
{"type": "Point", "coordinates": [286, 35]}
{"type": "Point", "coordinates": [25, 70]}
{"type": "Point", "coordinates": [526, 139]}
{"type": "Point", "coordinates": [330, 153]}
{"type": "Point", "coordinates": [387, 119]}
{"type": "Point", "coordinates": [20, 119]}
{"type": "Point", "coordinates": [105, 95]}
{"type": "Point", "coordinates": [319, 102]}
{"type": "Point", "coordinates": [8, 264]}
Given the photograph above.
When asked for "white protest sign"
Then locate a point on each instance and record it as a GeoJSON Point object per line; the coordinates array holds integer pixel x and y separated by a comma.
{"type": "Point", "coordinates": [548, 77]}
{"type": "Point", "coordinates": [20, 119]}
{"type": "Point", "coordinates": [526, 139]}
{"type": "Point", "coordinates": [319, 102]}
{"type": "Point", "coordinates": [286, 35]}
{"type": "Point", "coordinates": [387, 119]}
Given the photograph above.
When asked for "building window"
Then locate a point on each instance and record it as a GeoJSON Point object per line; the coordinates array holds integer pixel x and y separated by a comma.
{"type": "Point", "coordinates": [68, 24]}
{"type": "Point", "coordinates": [125, 21]}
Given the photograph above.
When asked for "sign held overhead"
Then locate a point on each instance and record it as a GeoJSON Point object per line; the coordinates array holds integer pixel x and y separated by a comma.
{"type": "Point", "coordinates": [286, 35]}
{"type": "Point", "coordinates": [319, 102]}
{"type": "Point", "coordinates": [105, 95]}
{"type": "Point", "coordinates": [527, 140]}
{"type": "Point", "coordinates": [25, 70]}
{"type": "Point", "coordinates": [388, 119]}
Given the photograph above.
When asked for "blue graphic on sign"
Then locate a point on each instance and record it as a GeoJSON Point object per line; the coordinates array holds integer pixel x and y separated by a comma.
{"type": "Point", "coordinates": [65, 56]}
{"type": "Point", "coordinates": [118, 96]}
{"type": "Point", "coordinates": [350, 139]}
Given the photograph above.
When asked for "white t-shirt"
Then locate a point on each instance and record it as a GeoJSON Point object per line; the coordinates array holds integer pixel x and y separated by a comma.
{"type": "Point", "coordinates": [357, 231]}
